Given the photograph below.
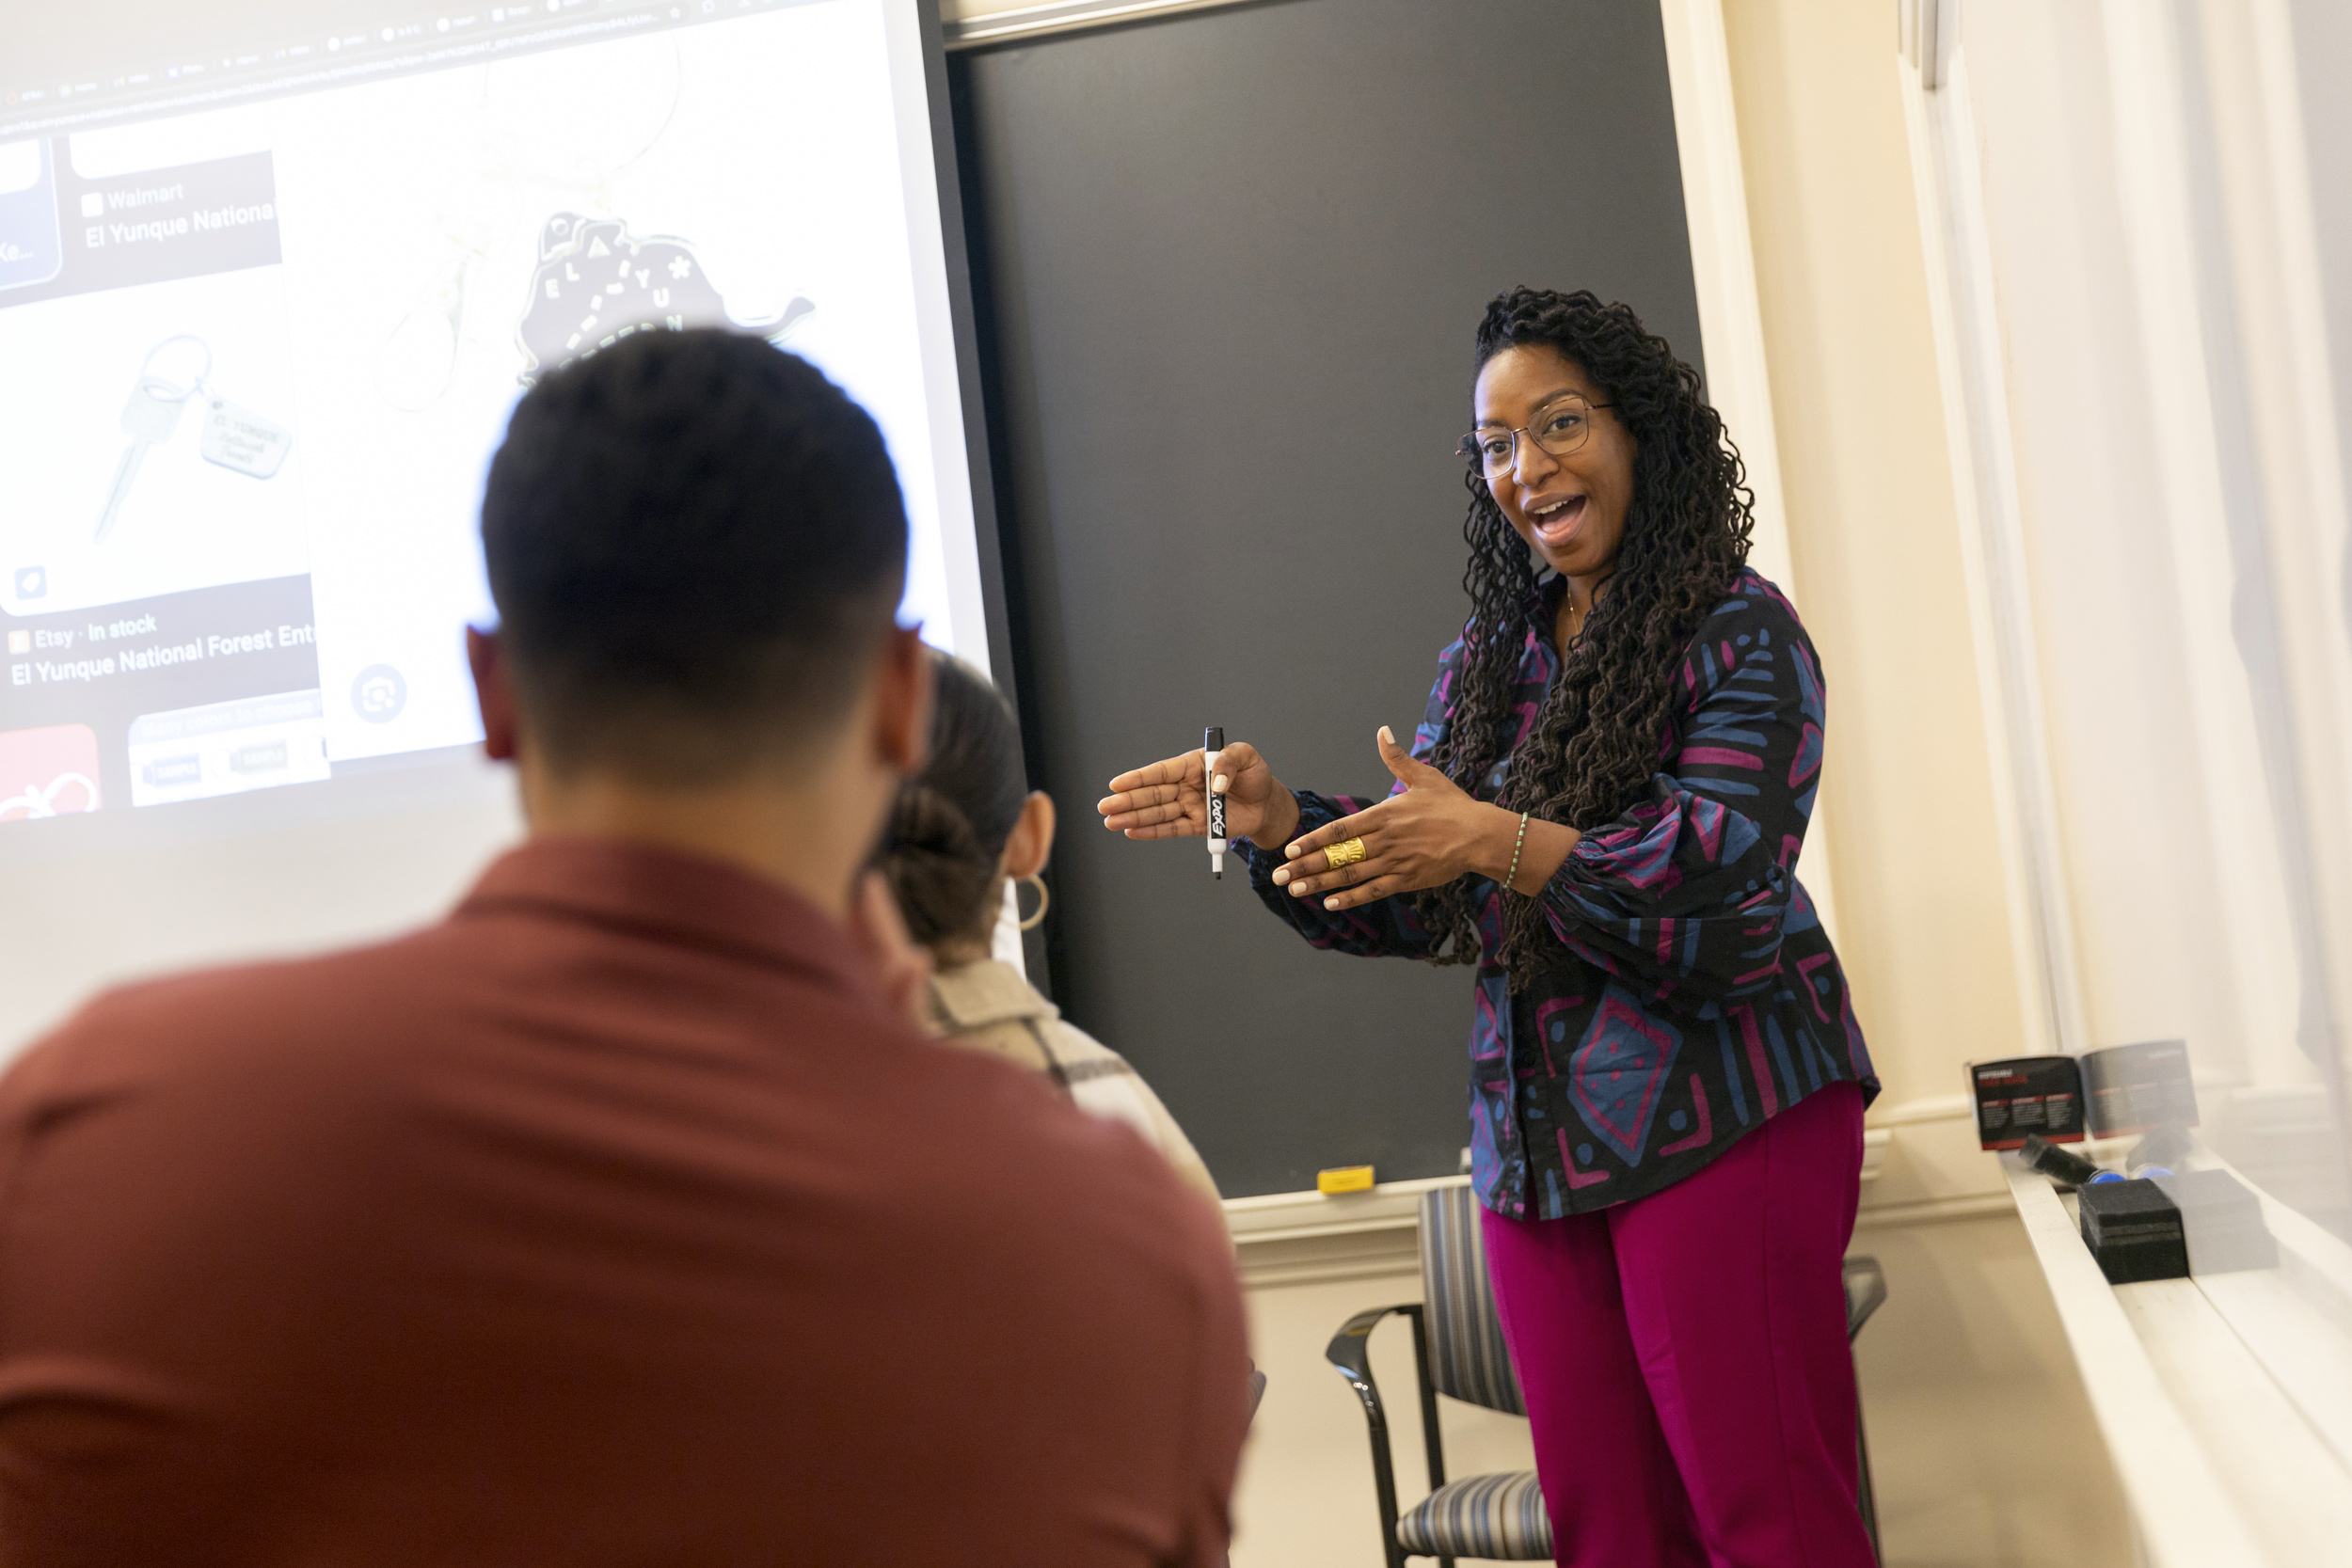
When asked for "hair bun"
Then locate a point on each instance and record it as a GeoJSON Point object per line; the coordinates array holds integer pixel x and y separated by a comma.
{"type": "Point", "coordinates": [937, 868]}
{"type": "Point", "coordinates": [923, 818]}
{"type": "Point", "coordinates": [950, 823]}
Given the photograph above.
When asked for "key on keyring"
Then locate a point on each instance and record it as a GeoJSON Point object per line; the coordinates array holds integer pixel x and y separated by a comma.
{"type": "Point", "coordinates": [149, 421]}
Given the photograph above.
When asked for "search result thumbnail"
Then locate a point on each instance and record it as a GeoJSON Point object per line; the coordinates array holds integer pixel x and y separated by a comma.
{"type": "Point", "coordinates": [49, 771]}
{"type": "Point", "coordinates": [97, 225]}
{"type": "Point", "coordinates": [211, 691]}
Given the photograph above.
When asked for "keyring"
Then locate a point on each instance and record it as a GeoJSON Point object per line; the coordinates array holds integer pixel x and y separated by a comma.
{"type": "Point", "coordinates": [178, 393]}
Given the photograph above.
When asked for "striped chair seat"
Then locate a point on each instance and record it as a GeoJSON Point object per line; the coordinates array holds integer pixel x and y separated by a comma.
{"type": "Point", "coordinates": [1490, 1517]}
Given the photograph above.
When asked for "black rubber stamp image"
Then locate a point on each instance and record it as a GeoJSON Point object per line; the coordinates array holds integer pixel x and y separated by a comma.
{"type": "Point", "coordinates": [596, 283]}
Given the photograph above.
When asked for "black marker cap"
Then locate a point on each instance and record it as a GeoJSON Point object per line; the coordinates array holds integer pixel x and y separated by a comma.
{"type": "Point", "coordinates": [1213, 739]}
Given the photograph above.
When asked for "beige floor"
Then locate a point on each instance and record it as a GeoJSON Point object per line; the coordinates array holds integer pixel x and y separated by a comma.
{"type": "Point", "coordinates": [1982, 1438]}
{"type": "Point", "coordinates": [1981, 1441]}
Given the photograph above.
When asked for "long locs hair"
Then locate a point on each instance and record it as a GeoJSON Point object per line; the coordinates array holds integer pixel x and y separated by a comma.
{"type": "Point", "coordinates": [1595, 740]}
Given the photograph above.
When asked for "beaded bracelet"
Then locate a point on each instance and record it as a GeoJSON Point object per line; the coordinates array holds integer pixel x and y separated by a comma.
{"type": "Point", "coordinates": [1513, 874]}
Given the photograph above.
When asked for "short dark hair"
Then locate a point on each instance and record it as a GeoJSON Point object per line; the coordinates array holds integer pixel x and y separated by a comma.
{"type": "Point", "coordinates": [948, 828]}
{"type": "Point", "coordinates": [696, 545]}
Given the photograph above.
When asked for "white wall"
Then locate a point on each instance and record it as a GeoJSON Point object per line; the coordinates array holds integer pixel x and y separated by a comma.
{"type": "Point", "coordinates": [1968, 1336]}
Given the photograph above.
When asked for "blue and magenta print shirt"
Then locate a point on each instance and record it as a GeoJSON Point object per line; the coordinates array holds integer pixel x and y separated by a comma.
{"type": "Point", "coordinates": [1696, 993]}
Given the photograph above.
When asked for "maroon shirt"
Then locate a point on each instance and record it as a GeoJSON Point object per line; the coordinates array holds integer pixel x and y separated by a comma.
{"type": "Point", "coordinates": [613, 1220]}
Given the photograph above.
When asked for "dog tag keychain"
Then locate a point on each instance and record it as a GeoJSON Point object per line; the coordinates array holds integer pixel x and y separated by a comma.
{"type": "Point", "coordinates": [233, 438]}
{"type": "Point", "coordinates": [239, 439]}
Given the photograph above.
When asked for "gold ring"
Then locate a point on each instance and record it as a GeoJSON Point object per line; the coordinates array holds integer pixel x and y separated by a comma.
{"type": "Point", "coordinates": [1347, 851]}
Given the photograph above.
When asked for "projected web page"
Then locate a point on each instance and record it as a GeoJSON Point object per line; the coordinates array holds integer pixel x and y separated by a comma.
{"type": "Point", "coordinates": [262, 338]}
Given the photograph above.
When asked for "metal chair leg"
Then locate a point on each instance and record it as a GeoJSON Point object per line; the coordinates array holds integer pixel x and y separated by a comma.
{"type": "Point", "coordinates": [1866, 1494]}
{"type": "Point", "coordinates": [1429, 1436]}
{"type": "Point", "coordinates": [1350, 1356]}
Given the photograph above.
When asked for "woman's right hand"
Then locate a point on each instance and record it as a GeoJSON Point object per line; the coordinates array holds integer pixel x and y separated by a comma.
{"type": "Point", "coordinates": [1170, 799]}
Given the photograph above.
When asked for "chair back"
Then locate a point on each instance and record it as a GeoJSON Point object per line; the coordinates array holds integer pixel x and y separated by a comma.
{"type": "Point", "coordinates": [1468, 1359]}
{"type": "Point", "coordinates": [1866, 1291]}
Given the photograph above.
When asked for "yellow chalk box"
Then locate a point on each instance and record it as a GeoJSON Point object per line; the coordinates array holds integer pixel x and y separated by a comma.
{"type": "Point", "coordinates": [1344, 1178]}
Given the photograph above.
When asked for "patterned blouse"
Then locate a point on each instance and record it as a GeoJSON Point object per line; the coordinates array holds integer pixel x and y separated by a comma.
{"type": "Point", "coordinates": [1697, 994]}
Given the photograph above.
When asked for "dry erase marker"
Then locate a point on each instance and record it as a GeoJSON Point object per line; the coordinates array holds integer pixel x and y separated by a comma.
{"type": "Point", "coordinates": [1212, 742]}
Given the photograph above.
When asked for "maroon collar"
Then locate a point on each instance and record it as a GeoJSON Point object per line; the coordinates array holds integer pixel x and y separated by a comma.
{"type": "Point", "coordinates": [672, 896]}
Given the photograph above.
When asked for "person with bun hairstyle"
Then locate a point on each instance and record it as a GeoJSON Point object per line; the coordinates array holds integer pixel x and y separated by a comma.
{"type": "Point", "coordinates": [1601, 810]}
{"type": "Point", "coordinates": [964, 828]}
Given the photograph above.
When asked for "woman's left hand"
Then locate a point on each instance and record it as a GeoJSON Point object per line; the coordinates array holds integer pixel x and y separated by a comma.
{"type": "Point", "coordinates": [1430, 835]}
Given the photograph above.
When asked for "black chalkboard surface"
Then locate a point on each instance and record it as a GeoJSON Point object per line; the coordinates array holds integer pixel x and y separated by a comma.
{"type": "Point", "coordinates": [1227, 266]}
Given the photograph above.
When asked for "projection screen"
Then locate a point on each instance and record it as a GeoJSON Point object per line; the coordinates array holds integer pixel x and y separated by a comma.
{"type": "Point", "coordinates": [267, 294]}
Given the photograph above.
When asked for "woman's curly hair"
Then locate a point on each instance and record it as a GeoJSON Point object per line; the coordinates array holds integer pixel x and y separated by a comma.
{"type": "Point", "coordinates": [1595, 741]}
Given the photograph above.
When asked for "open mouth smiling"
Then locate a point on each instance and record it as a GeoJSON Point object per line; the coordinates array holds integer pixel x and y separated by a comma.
{"type": "Point", "coordinates": [1556, 521]}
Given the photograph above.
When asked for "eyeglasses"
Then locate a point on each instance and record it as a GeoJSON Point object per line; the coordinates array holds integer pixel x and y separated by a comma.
{"type": "Point", "coordinates": [1560, 427]}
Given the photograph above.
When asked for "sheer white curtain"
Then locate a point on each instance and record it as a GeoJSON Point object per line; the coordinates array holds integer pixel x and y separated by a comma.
{"type": "Point", "coordinates": [2134, 320]}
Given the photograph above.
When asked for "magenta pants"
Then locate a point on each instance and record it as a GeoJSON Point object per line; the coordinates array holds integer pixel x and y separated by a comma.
{"type": "Point", "coordinates": [1685, 1358]}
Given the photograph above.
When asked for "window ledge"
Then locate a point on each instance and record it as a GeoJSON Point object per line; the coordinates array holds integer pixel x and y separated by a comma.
{"type": "Point", "coordinates": [2219, 1456]}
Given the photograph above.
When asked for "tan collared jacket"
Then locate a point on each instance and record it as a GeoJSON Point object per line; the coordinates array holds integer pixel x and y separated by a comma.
{"type": "Point", "coordinates": [989, 1006]}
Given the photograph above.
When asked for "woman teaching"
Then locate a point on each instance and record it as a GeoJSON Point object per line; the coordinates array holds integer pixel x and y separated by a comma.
{"type": "Point", "coordinates": [1601, 810]}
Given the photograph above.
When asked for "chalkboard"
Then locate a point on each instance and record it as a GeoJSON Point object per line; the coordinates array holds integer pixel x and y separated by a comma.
{"type": "Point", "coordinates": [1227, 266]}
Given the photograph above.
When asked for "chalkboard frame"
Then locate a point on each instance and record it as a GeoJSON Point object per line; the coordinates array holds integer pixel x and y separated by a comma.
{"type": "Point", "coordinates": [1274, 1152]}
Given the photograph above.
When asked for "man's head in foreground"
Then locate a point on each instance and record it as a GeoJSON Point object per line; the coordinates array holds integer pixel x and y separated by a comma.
{"type": "Point", "coordinates": [696, 545]}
